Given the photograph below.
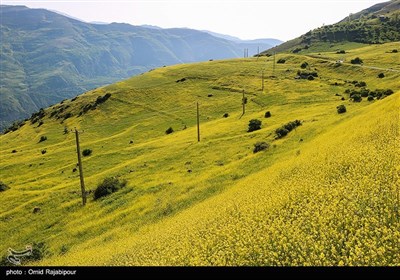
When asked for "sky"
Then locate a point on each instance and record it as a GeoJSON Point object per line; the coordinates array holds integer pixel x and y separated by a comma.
{"type": "Point", "coordinates": [246, 19]}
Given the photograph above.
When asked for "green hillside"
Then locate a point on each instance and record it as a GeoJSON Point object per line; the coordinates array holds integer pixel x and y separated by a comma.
{"type": "Point", "coordinates": [47, 57]}
{"type": "Point", "coordinates": [324, 194]}
{"type": "Point", "coordinates": [375, 25]}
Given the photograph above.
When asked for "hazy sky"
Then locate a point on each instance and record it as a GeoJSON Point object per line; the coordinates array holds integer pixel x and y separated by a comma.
{"type": "Point", "coordinates": [246, 19]}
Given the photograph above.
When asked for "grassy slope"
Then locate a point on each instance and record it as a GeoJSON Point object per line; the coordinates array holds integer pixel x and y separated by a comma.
{"type": "Point", "coordinates": [357, 30]}
{"type": "Point", "coordinates": [156, 165]}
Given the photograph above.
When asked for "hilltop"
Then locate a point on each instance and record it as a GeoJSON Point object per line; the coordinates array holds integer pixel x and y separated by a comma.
{"type": "Point", "coordinates": [47, 57]}
{"type": "Point", "coordinates": [326, 193]}
{"type": "Point", "coordinates": [375, 25]}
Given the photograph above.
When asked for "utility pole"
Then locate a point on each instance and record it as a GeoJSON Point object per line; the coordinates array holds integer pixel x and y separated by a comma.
{"type": "Point", "coordinates": [198, 123]}
{"type": "Point", "coordinates": [273, 67]}
{"type": "Point", "coordinates": [262, 80]}
{"type": "Point", "coordinates": [244, 101]}
{"type": "Point", "coordinates": [78, 150]}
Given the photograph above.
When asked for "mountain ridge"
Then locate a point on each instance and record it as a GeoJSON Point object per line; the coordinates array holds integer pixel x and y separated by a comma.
{"type": "Point", "coordinates": [377, 24]}
{"type": "Point", "coordinates": [47, 57]}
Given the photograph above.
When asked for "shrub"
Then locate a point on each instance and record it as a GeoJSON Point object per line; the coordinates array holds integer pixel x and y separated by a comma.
{"type": "Point", "coordinates": [304, 65]}
{"type": "Point", "coordinates": [108, 186]}
{"type": "Point", "coordinates": [226, 115]}
{"type": "Point", "coordinates": [66, 130]}
{"type": "Point", "coordinates": [341, 109]}
{"type": "Point", "coordinates": [42, 138]}
{"type": "Point", "coordinates": [169, 130]}
{"type": "Point", "coordinates": [306, 74]}
{"type": "Point", "coordinates": [341, 52]}
{"type": "Point", "coordinates": [14, 126]}
{"type": "Point", "coordinates": [260, 146]}
{"type": "Point", "coordinates": [285, 129]}
{"type": "Point", "coordinates": [14, 151]}
{"type": "Point", "coordinates": [281, 132]}
{"type": "Point", "coordinates": [356, 60]}
{"type": "Point", "coordinates": [281, 61]}
{"type": "Point", "coordinates": [68, 115]}
{"type": "Point", "coordinates": [3, 187]}
{"type": "Point", "coordinates": [296, 50]}
{"type": "Point", "coordinates": [310, 78]}
{"type": "Point", "coordinates": [267, 114]}
{"type": "Point", "coordinates": [356, 98]}
{"type": "Point", "coordinates": [43, 152]}
{"type": "Point", "coordinates": [360, 84]}
{"type": "Point", "coordinates": [381, 75]}
{"type": "Point", "coordinates": [370, 98]}
{"type": "Point", "coordinates": [254, 125]}
{"type": "Point", "coordinates": [86, 152]}
{"type": "Point", "coordinates": [39, 251]}
{"type": "Point", "coordinates": [102, 99]}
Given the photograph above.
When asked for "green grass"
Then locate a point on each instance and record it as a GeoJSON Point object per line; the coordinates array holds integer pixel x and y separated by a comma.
{"type": "Point", "coordinates": [156, 166]}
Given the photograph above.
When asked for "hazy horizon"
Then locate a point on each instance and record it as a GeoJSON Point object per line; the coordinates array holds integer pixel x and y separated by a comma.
{"type": "Point", "coordinates": [252, 19]}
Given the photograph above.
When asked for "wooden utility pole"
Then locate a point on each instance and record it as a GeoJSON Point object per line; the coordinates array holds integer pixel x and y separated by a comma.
{"type": "Point", "coordinates": [262, 80]}
{"type": "Point", "coordinates": [244, 101]}
{"type": "Point", "coordinates": [273, 67]}
{"type": "Point", "coordinates": [198, 123]}
{"type": "Point", "coordinates": [78, 150]}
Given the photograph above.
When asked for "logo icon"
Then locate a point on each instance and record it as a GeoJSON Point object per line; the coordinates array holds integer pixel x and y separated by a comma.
{"type": "Point", "coordinates": [14, 256]}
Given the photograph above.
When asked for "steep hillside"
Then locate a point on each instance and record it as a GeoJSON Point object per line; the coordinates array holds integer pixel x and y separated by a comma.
{"type": "Point", "coordinates": [47, 57]}
{"type": "Point", "coordinates": [215, 201]}
{"type": "Point", "coordinates": [375, 25]}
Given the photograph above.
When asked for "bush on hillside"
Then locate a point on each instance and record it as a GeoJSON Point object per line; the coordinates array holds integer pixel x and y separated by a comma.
{"type": "Point", "coordinates": [381, 75]}
{"type": "Point", "coordinates": [356, 60]}
{"type": "Point", "coordinates": [39, 251]}
{"type": "Point", "coordinates": [86, 152]}
{"type": "Point", "coordinates": [281, 132]}
{"type": "Point", "coordinates": [15, 125]}
{"type": "Point", "coordinates": [102, 99]}
{"type": "Point", "coordinates": [260, 146]}
{"type": "Point", "coordinates": [304, 65]}
{"type": "Point", "coordinates": [281, 61]}
{"type": "Point", "coordinates": [226, 115]}
{"type": "Point", "coordinates": [42, 138]}
{"type": "Point", "coordinates": [360, 84]}
{"type": "Point", "coordinates": [169, 130]}
{"type": "Point", "coordinates": [3, 187]}
{"type": "Point", "coordinates": [108, 186]}
{"type": "Point", "coordinates": [341, 109]}
{"type": "Point", "coordinates": [356, 98]}
{"type": "Point", "coordinates": [254, 125]}
{"type": "Point", "coordinates": [267, 114]}
{"type": "Point", "coordinates": [285, 129]}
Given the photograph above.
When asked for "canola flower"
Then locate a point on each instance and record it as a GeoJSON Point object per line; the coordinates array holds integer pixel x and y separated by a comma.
{"type": "Point", "coordinates": [337, 204]}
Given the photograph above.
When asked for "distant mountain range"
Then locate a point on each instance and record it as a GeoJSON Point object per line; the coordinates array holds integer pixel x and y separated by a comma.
{"type": "Point", "coordinates": [377, 24]}
{"type": "Point", "coordinates": [47, 56]}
